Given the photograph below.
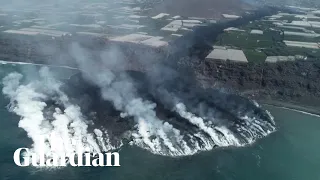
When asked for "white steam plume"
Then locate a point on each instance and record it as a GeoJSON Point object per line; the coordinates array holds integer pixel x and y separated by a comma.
{"type": "Point", "coordinates": [152, 133]}
{"type": "Point", "coordinates": [65, 133]}
{"type": "Point", "coordinates": [227, 139]}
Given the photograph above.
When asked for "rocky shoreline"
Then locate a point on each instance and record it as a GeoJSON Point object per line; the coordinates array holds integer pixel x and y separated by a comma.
{"type": "Point", "coordinates": [289, 84]}
{"type": "Point", "coordinates": [303, 109]}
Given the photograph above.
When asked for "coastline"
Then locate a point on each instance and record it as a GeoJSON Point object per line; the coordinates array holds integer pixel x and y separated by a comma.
{"type": "Point", "coordinates": [313, 111]}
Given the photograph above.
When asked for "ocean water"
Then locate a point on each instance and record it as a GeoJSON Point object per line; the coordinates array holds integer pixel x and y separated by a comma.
{"type": "Point", "coordinates": [292, 152]}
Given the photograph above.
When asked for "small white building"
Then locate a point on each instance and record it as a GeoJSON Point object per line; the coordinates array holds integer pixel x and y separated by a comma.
{"type": "Point", "coordinates": [20, 32]}
{"type": "Point", "coordinates": [227, 54]}
{"type": "Point", "coordinates": [177, 35]}
{"type": "Point", "coordinates": [176, 25]}
{"type": "Point", "coordinates": [303, 34]}
{"type": "Point", "coordinates": [233, 29]}
{"type": "Point", "coordinates": [136, 16]}
{"type": "Point", "coordinates": [152, 41]}
{"type": "Point", "coordinates": [161, 15]}
{"type": "Point", "coordinates": [176, 17]}
{"type": "Point", "coordinates": [173, 26]}
{"type": "Point", "coordinates": [231, 16]}
{"type": "Point", "coordinates": [274, 59]}
{"type": "Point", "coordinates": [35, 31]}
{"type": "Point", "coordinates": [256, 31]}
{"type": "Point", "coordinates": [127, 26]}
{"type": "Point", "coordinates": [309, 45]}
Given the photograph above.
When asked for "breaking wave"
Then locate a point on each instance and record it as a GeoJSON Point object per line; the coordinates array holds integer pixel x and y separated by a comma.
{"type": "Point", "coordinates": [106, 110]}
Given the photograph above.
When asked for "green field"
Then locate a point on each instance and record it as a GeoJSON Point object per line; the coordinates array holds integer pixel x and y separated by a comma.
{"type": "Point", "coordinates": [255, 56]}
{"type": "Point", "coordinates": [245, 40]}
{"type": "Point", "coordinates": [258, 47]}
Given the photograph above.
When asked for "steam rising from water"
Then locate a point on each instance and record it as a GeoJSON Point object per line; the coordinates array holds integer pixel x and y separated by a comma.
{"type": "Point", "coordinates": [57, 125]}
{"type": "Point", "coordinates": [154, 113]}
{"type": "Point", "coordinates": [59, 130]}
{"type": "Point", "coordinates": [159, 111]}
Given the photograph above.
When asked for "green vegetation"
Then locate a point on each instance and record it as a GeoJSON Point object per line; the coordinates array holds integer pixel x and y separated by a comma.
{"type": "Point", "coordinates": [258, 47]}
{"type": "Point", "coordinates": [244, 40]}
{"type": "Point", "coordinates": [261, 25]}
{"type": "Point", "coordinates": [255, 56]}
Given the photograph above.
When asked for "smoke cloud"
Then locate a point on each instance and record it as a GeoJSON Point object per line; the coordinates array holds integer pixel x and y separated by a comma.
{"type": "Point", "coordinates": [65, 132]}
{"type": "Point", "coordinates": [166, 110]}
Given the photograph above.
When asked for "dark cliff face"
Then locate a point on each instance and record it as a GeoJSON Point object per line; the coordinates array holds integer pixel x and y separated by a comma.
{"type": "Point", "coordinates": [288, 81]}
